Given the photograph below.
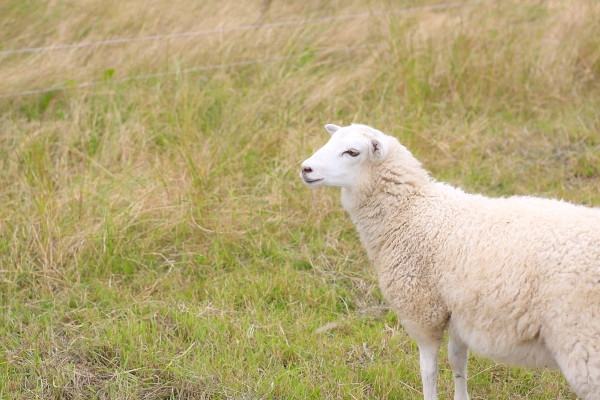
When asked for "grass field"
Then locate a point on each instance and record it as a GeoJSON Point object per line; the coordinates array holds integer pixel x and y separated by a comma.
{"type": "Point", "coordinates": [156, 241]}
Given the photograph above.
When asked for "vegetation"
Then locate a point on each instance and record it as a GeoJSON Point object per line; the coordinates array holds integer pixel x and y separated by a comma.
{"type": "Point", "coordinates": [156, 241]}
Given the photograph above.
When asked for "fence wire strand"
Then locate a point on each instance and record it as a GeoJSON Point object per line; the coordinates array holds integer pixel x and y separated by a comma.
{"type": "Point", "coordinates": [256, 61]}
{"type": "Point", "coordinates": [247, 27]}
{"type": "Point", "coordinates": [194, 69]}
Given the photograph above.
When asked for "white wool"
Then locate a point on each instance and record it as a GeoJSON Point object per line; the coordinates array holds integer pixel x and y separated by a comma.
{"type": "Point", "coordinates": [515, 279]}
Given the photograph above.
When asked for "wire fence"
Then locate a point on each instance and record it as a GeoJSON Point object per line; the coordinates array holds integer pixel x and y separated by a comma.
{"type": "Point", "coordinates": [247, 27]}
{"type": "Point", "coordinates": [194, 69]}
{"type": "Point", "coordinates": [237, 63]}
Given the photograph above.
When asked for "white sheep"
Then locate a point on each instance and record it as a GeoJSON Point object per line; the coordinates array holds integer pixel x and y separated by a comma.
{"type": "Point", "coordinates": [515, 279]}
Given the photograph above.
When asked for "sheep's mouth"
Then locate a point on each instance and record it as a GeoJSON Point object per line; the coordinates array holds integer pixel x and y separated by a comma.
{"type": "Point", "coordinates": [311, 181]}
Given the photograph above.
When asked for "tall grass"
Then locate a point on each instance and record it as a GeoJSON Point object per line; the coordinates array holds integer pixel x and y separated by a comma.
{"type": "Point", "coordinates": [156, 241]}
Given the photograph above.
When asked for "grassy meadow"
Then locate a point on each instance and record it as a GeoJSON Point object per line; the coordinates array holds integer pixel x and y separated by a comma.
{"type": "Point", "coordinates": [156, 241]}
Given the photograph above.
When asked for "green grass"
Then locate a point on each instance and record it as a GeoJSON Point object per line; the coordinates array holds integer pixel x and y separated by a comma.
{"type": "Point", "coordinates": [156, 241]}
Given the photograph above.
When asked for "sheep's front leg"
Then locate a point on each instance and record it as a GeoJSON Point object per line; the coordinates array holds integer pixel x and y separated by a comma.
{"type": "Point", "coordinates": [428, 357]}
{"type": "Point", "coordinates": [458, 354]}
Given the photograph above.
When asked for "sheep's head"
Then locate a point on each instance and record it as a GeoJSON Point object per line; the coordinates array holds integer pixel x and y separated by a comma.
{"type": "Point", "coordinates": [343, 159]}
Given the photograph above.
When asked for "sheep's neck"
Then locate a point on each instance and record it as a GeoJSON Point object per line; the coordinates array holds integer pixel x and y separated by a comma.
{"type": "Point", "coordinates": [400, 242]}
{"type": "Point", "coordinates": [385, 219]}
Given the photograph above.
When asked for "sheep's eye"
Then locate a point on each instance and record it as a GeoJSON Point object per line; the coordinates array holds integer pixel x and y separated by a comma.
{"type": "Point", "coordinates": [351, 153]}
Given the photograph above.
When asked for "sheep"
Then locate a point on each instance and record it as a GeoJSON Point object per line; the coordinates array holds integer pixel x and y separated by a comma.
{"type": "Point", "coordinates": [514, 279]}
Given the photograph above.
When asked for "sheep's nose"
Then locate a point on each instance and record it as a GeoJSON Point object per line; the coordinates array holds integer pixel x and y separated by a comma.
{"type": "Point", "coordinates": [306, 170]}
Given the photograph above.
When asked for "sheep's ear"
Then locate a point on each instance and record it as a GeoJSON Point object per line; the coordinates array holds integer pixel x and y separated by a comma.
{"type": "Point", "coordinates": [331, 128]}
{"type": "Point", "coordinates": [378, 149]}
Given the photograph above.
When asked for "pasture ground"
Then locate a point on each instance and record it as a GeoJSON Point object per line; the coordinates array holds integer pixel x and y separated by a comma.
{"type": "Point", "coordinates": [156, 241]}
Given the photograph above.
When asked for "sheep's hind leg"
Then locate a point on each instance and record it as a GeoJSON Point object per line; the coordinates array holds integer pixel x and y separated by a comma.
{"type": "Point", "coordinates": [580, 364]}
{"type": "Point", "coordinates": [573, 341]}
{"type": "Point", "coordinates": [458, 354]}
